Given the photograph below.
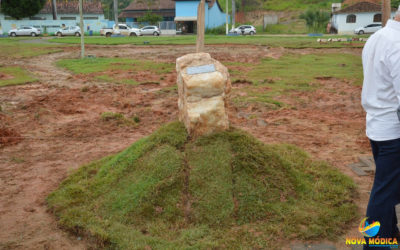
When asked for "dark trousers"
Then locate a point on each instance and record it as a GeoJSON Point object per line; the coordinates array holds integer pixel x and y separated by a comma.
{"type": "Point", "coordinates": [385, 194]}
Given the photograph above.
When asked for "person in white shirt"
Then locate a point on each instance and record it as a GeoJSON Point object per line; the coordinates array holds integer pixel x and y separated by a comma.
{"type": "Point", "coordinates": [381, 101]}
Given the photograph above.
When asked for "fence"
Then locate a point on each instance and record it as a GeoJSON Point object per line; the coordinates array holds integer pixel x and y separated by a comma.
{"type": "Point", "coordinates": [166, 27]}
{"type": "Point", "coordinates": [51, 26]}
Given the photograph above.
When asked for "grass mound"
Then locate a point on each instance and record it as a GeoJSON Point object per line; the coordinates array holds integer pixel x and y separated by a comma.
{"type": "Point", "coordinates": [224, 190]}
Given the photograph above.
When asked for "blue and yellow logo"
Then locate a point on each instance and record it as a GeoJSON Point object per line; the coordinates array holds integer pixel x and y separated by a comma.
{"type": "Point", "coordinates": [369, 230]}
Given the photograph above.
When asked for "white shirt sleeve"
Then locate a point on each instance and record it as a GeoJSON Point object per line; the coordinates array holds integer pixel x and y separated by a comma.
{"type": "Point", "coordinates": [394, 67]}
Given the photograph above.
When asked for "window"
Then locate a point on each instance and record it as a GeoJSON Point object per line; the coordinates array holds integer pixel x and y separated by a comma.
{"type": "Point", "coordinates": [90, 17]}
{"type": "Point", "coordinates": [68, 18]}
{"type": "Point", "coordinates": [37, 18]}
{"type": "Point", "coordinates": [351, 18]}
{"type": "Point", "coordinates": [377, 18]}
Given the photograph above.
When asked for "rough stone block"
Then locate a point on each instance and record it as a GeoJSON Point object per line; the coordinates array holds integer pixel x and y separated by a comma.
{"type": "Point", "coordinates": [203, 95]}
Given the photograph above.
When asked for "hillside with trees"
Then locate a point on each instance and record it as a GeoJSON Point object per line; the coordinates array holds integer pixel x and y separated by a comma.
{"type": "Point", "coordinates": [293, 5]}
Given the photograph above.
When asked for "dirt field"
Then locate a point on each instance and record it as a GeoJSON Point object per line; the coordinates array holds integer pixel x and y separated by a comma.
{"type": "Point", "coordinates": [53, 126]}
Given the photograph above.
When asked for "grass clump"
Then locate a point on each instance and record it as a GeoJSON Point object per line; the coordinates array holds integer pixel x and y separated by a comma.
{"type": "Point", "coordinates": [119, 118]}
{"type": "Point", "coordinates": [167, 191]}
{"type": "Point", "coordinates": [16, 48]}
{"type": "Point", "coordinates": [116, 70]}
{"type": "Point", "coordinates": [283, 75]}
{"type": "Point", "coordinates": [14, 76]}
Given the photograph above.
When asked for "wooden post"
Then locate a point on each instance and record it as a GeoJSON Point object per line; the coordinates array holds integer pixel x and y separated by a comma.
{"type": "Point", "coordinates": [54, 9]}
{"type": "Point", "coordinates": [82, 29]}
{"type": "Point", "coordinates": [200, 27]}
{"type": "Point", "coordinates": [233, 13]}
{"type": "Point", "coordinates": [226, 17]}
{"type": "Point", "coordinates": [386, 11]}
{"type": "Point", "coordinates": [116, 13]}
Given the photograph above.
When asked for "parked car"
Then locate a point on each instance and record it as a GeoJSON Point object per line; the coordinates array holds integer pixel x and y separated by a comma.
{"type": "Point", "coordinates": [24, 31]}
{"type": "Point", "coordinates": [244, 30]}
{"type": "Point", "coordinates": [371, 28]}
{"type": "Point", "coordinates": [150, 30]}
{"type": "Point", "coordinates": [69, 31]}
{"type": "Point", "coordinates": [123, 29]}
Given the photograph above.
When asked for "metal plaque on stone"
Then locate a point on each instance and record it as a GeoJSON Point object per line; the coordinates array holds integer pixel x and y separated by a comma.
{"type": "Point", "coordinates": [200, 69]}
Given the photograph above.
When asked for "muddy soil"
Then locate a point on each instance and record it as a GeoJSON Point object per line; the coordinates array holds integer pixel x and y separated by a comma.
{"type": "Point", "coordinates": [53, 126]}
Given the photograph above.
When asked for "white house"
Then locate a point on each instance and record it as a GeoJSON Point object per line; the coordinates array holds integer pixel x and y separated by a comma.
{"type": "Point", "coordinates": [346, 20]}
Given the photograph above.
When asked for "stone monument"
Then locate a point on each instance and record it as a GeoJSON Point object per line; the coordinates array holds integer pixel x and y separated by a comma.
{"type": "Point", "coordinates": [203, 87]}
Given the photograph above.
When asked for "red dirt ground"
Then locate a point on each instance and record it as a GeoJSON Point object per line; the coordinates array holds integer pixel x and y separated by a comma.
{"type": "Point", "coordinates": [5, 77]}
{"type": "Point", "coordinates": [57, 121]}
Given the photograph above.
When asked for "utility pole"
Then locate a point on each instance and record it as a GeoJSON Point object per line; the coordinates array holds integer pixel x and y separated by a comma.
{"type": "Point", "coordinates": [116, 13]}
{"type": "Point", "coordinates": [226, 15]}
{"type": "Point", "coordinates": [386, 11]}
{"type": "Point", "coordinates": [233, 13]}
{"type": "Point", "coordinates": [82, 29]}
{"type": "Point", "coordinates": [200, 27]}
{"type": "Point", "coordinates": [54, 9]}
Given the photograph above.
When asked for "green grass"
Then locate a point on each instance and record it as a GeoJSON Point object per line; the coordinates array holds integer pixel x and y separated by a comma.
{"type": "Point", "coordinates": [272, 41]}
{"type": "Point", "coordinates": [279, 5]}
{"type": "Point", "coordinates": [13, 48]}
{"type": "Point", "coordinates": [226, 190]}
{"type": "Point", "coordinates": [290, 5]}
{"type": "Point", "coordinates": [294, 72]}
{"type": "Point", "coordinates": [119, 119]}
{"type": "Point", "coordinates": [14, 76]}
{"type": "Point", "coordinates": [100, 68]}
{"type": "Point", "coordinates": [298, 27]}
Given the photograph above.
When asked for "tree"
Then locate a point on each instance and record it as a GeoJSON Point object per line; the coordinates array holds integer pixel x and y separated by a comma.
{"type": "Point", "coordinates": [316, 20]}
{"type": "Point", "coordinates": [108, 6]}
{"type": "Point", "coordinates": [54, 9]}
{"type": "Point", "coordinates": [395, 3]}
{"type": "Point", "coordinates": [386, 11]}
{"type": "Point", "coordinates": [150, 17]}
{"type": "Point", "coordinates": [21, 8]}
{"type": "Point", "coordinates": [82, 29]}
{"type": "Point", "coordinates": [116, 13]}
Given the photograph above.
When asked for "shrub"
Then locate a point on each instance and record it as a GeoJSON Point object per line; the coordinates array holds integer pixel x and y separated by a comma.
{"type": "Point", "coordinates": [220, 30]}
{"type": "Point", "coordinates": [316, 20]}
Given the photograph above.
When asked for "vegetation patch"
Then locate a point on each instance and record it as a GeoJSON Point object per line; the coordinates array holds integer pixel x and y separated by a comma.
{"type": "Point", "coordinates": [295, 72]}
{"type": "Point", "coordinates": [14, 48]}
{"type": "Point", "coordinates": [272, 41]}
{"type": "Point", "coordinates": [119, 118]}
{"type": "Point", "coordinates": [14, 76]}
{"type": "Point", "coordinates": [117, 70]}
{"type": "Point", "coordinates": [167, 191]}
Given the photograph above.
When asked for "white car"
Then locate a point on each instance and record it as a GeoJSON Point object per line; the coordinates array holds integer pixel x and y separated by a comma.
{"type": "Point", "coordinates": [69, 31]}
{"type": "Point", "coordinates": [24, 31]}
{"type": "Point", "coordinates": [123, 29]}
{"type": "Point", "coordinates": [244, 30]}
{"type": "Point", "coordinates": [150, 30]}
{"type": "Point", "coordinates": [371, 28]}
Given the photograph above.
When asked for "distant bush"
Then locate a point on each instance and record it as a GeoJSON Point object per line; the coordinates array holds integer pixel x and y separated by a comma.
{"type": "Point", "coordinates": [109, 116]}
{"type": "Point", "coordinates": [316, 20]}
{"type": "Point", "coordinates": [290, 28]}
{"type": "Point", "coordinates": [220, 30]}
{"type": "Point", "coordinates": [150, 18]}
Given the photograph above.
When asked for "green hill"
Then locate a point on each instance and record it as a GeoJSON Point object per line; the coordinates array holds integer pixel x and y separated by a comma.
{"type": "Point", "coordinates": [279, 5]}
{"type": "Point", "coordinates": [227, 190]}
